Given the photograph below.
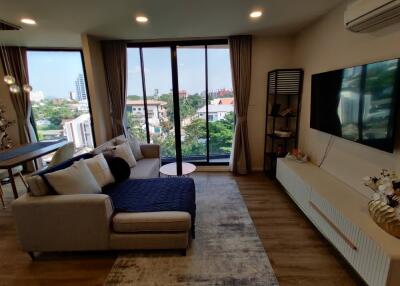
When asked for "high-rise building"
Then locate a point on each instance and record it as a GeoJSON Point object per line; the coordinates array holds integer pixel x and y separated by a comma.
{"type": "Point", "coordinates": [80, 86]}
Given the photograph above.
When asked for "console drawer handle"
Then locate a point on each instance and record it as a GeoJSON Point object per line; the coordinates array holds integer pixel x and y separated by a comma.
{"type": "Point", "coordinates": [341, 234]}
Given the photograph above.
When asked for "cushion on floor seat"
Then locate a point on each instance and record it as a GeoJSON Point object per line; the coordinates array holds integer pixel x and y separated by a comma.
{"type": "Point", "coordinates": [146, 168]}
{"type": "Point", "coordinates": [152, 222]}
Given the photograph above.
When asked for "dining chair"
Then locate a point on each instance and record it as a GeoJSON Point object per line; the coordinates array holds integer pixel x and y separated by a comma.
{"type": "Point", "coordinates": [4, 175]}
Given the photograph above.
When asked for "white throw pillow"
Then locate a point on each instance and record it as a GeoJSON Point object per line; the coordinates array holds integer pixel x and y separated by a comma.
{"type": "Point", "coordinates": [135, 146]}
{"type": "Point", "coordinates": [76, 179]}
{"type": "Point", "coordinates": [100, 170]}
{"type": "Point", "coordinates": [124, 151]}
{"type": "Point", "coordinates": [37, 186]}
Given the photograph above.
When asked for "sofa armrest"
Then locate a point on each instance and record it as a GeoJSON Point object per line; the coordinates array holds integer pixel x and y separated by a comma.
{"type": "Point", "coordinates": [63, 222]}
{"type": "Point", "coordinates": [150, 150]}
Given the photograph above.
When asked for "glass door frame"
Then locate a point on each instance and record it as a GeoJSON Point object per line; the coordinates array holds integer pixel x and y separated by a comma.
{"type": "Point", "coordinates": [173, 45]}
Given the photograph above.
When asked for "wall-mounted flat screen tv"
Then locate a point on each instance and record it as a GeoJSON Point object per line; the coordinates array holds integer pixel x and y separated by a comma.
{"type": "Point", "coordinates": [358, 103]}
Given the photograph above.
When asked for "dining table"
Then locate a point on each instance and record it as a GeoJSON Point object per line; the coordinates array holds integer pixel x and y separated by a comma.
{"type": "Point", "coordinates": [14, 157]}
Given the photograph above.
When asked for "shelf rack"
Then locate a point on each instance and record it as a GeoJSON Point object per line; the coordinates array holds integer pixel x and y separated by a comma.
{"type": "Point", "coordinates": [284, 87]}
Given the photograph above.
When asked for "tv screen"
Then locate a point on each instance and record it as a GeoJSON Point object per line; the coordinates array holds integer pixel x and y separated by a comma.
{"type": "Point", "coordinates": [358, 103]}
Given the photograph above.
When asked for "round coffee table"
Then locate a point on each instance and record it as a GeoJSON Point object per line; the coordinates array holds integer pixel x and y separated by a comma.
{"type": "Point", "coordinates": [170, 169]}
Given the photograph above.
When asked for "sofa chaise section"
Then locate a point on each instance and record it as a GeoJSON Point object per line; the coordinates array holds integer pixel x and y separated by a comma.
{"type": "Point", "coordinates": [88, 222]}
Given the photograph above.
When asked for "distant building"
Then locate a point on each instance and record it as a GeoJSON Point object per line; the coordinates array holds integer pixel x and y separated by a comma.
{"type": "Point", "coordinates": [72, 95]}
{"type": "Point", "coordinates": [42, 122]}
{"type": "Point", "coordinates": [79, 131]}
{"type": "Point", "coordinates": [36, 96]}
{"type": "Point", "coordinates": [80, 87]}
{"type": "Point", "coordinates": [223, 101]}
{"type": "Point", "coordinates": [156, 111]}
{"type": "Point", "coordinates": [215, 112]}
{"type": "Point", "coordinates": [51, 134]}
{"type": "Point", "coordinates": [183, 94]}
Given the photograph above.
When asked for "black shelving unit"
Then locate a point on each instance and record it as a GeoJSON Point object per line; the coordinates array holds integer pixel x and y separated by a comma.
{"type": "Point", "coordinates": [284, 87]}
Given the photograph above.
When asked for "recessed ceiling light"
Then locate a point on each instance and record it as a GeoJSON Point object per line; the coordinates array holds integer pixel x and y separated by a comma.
{"type": "Point", "coordinates": [28, 21]}
{"type": "Point", "coordinates": [142, 19]}
{"type": "Point", "coordinates": [256, 14]}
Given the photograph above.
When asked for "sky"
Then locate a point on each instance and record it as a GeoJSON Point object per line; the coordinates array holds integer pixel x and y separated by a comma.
{"type": "Point", "coordinates": [191, 70]}
{"type": "Point", "coordinates": [55, 72]}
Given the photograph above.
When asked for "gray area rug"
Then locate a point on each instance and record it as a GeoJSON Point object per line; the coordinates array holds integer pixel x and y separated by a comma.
{"type": "Point", "coordinates": [226, 251]}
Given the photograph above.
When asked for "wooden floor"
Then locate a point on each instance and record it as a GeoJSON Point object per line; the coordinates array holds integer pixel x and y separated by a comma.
{"type": "Point", "coordinates": [298, 253]}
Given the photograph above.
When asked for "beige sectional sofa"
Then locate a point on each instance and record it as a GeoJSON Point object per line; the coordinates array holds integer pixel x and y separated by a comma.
{"type": "Point", "coordinates": [88, 221]}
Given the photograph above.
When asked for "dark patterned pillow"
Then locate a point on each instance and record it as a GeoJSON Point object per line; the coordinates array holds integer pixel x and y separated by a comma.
{"type": "Point", "coordinates": [119, 168]}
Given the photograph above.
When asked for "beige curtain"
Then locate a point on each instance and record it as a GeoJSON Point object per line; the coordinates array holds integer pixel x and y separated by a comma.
{"type": "Point", "coordinates": [240, 51]}
{"type": "Point", "coordinates": [114, 57]}
{"type": "Point", "coordinates": [14, 61]}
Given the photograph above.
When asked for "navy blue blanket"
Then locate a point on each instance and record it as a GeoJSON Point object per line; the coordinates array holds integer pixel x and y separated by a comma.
{"type": "Point", "coordinates": [154, 195]}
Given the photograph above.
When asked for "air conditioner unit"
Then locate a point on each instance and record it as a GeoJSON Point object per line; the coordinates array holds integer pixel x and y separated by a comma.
{"type": "Point", "coordinates": [371, 15]}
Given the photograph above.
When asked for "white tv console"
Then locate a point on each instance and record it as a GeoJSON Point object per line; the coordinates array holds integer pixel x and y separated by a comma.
{"type": "Point", "coordinates": [341, 215]}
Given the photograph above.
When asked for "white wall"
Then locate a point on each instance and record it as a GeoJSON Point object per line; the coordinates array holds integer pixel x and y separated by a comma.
{"type": "Point", "coordinates": [327, 45]}
{"type": "Point", "coordinates": [269, 53]}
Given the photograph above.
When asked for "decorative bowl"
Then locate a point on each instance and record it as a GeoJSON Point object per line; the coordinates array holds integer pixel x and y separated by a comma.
{"type": "Point", "coordinates": [385, 216]}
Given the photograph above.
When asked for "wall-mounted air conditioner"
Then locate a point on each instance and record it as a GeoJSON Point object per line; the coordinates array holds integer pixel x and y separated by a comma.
{"type": "Point", "coordinates": [371, 15]}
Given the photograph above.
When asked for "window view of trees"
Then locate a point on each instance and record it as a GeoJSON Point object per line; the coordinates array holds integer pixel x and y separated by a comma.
{"type": "Point", "coordinates": [192, 101]}
{"type": "Point", "coordinates": [59, 98]}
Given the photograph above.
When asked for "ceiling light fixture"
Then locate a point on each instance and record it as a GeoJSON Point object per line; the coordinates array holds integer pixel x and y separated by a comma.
{"type": "Point", "coordinates": [142, 19]}
{"type": "Point", "coordinates": [256, 14]}
{"type": "Point", "coordinates": [28, 21]}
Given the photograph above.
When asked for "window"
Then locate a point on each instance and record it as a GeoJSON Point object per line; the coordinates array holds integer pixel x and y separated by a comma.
{"type": "Point", "coordinates": [221, 97]}
{"type": "Point", "coordinates": [60, 102]}
{"type": "Point", "coordinates": [192, 97]}
{"type": "Point", "coordinates": [196, 84]}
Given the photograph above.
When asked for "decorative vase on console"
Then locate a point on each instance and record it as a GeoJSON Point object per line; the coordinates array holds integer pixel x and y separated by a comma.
{"type": "Point", "coordinates": [5, 140]}
{"type": "Point", "coordinates": [384, 207]}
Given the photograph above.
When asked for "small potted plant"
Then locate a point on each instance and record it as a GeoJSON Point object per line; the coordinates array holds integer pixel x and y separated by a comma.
{"type": "Point", "coordinates": [384, 207]}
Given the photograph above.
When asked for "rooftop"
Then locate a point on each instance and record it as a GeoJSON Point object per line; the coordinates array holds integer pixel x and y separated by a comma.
{"type": "Point", "coordinates": [224, 101]}
{"type": "Point", "coordinates": [216, 108]}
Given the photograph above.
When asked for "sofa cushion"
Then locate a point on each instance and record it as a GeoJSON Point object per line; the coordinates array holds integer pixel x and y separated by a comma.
{"type": "Point", "coordinates": [119, 168]}
{"type": "Point", "coordinates": [103, 147]}
{"type": "Point", "coordinates": [100, 170]}
{"type": "Point", "coordinates": [123, 151]}
{"type": "Point", "coordinates": [146, 168]}
{"type": "Point", "coordinates": [37, 186]}
{"type": "Point", "coordinates": [151, 222]}
{"type": "Point", "coordinates": [61, 166]}
{"type": "Point", "coordinates": [134, 144]}
{"type": "Point", "coordinates": [76, 179]}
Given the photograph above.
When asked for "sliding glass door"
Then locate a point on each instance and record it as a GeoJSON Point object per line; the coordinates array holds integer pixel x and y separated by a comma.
{"type": "Point", "coordinates": [160, 108]}
{"type": "Point", "coordinates": [220, 108]}
{"type": "Point", "coordinates": [180, 96]}
{"type": "Point", "coordinates": [192, 97]}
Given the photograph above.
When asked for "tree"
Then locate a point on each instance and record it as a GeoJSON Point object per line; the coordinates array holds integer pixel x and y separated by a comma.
{"type": "Point", "coordinates": [55, 111]}
{"type": "Point", "coordinates": [135, 127]}
{"type": "Point", "coordinates": [221, 135]}
{"type": "Point", "coordinates": [195, 138]}
{"type": "Point", "coordinates": [220, 132]}
{"type": "Point", "coordinates": [134, 97]}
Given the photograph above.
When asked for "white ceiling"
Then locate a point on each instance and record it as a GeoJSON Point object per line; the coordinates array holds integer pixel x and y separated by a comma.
{"type": "Point", "coordinates": [60, 22]}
